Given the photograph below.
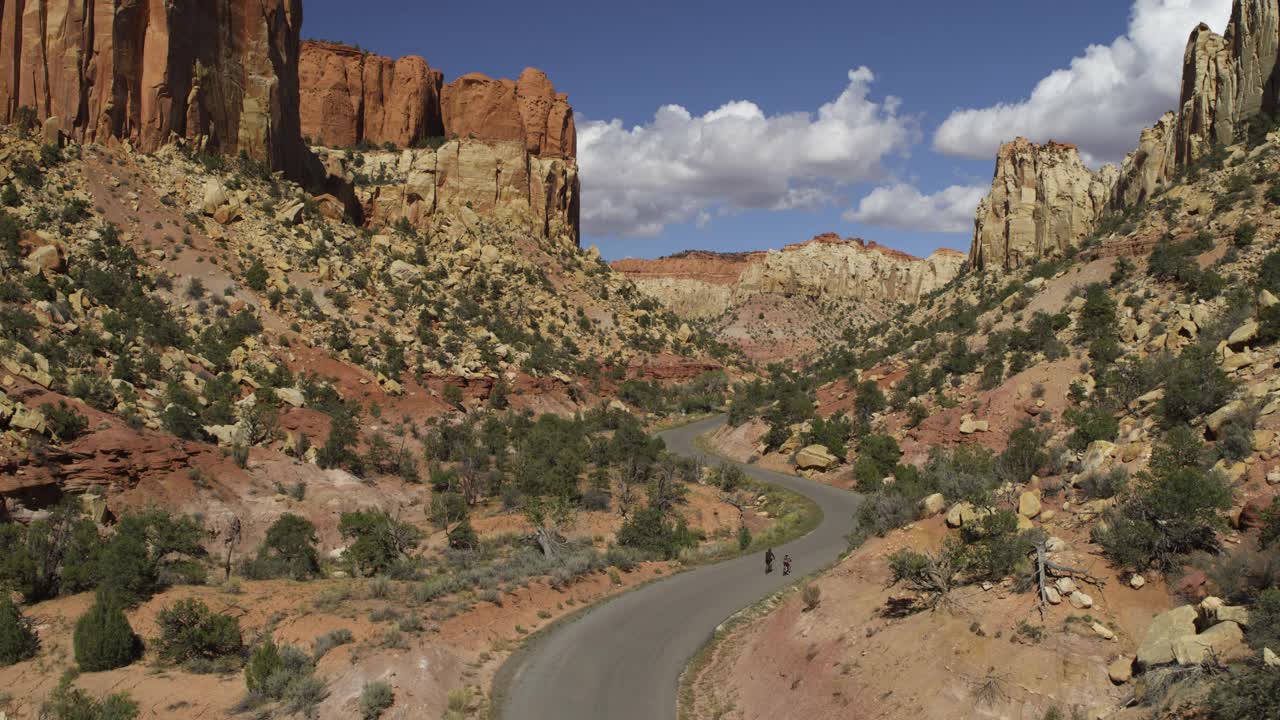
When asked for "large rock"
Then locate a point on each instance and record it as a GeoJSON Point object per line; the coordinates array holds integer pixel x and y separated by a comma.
{"type": "Point", "coordinates": [348, 96]}
{"type": "Point", "coordinates": [1029, 504]}
{"type": "Point", "coordinates": [1224, 641]}
{"type": "Point", "coordinates": [933, 504]}
{"type": "Point", "coordinates": [815, 457]}
{"type": "Point", "coordinates": [1165, 630]}
{"type": "Point", "coordinates": [223, 75]}
{"type": "Point", "coordinates": [527, 110]}
{"type": "Point", "coordinates": [1043, 200]}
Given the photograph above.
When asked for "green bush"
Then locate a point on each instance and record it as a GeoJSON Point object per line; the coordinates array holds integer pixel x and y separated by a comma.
{"type": "Point", "coordinates": [1195, 386]}
{"type": "Point", "coordinates": [463, 536]}
{"type": "Point", "coordinates": [1248, 693]}
{"type": "Point", "coordinates": [650, 531]}
{"type": "Point", "coordinates": [877, 457]}
{"type": "Point", "coordinates": [69, 703]}
{"type": "Point", "coordinates": [104, 639]}
{"type": "Point", "coordinates": [1089, 424]}
{"type": "Point", "coordinates": [64, 421]}
{"type": "Point", "coordinates": [18, 641]}
{"type": "Point", "coordinates": [744, 537]}
{"type": "Point", "coordinates": [379, 540]}
{"type": "Point", "coordinates": [994, 547]}
{"type": "Point", "coordinates": [374, 699]}
{"type": "Point", "coordinates": [1024, 454]}
{"type": "Point", "coordinates": [289, 550]}
{"type": "Point", "coordinates": [189, 631]}
{"type": "Point", "coordinates": [1169, 512]}
{"type": "Point", "coordinates": [1270, 532]}
{"type": "Point", "coordinates": [1264, 620]}
{"type": "Point", "coordinates": [1098, 316]}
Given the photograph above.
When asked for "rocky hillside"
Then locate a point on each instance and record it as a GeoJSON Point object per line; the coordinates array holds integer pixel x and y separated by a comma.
{"type": "Point", "coordinates": [791, 301]}
{"type": "Point", "coordinates": [1071, 459]}
{"type": "Point", "coordinates": [1043, 199]}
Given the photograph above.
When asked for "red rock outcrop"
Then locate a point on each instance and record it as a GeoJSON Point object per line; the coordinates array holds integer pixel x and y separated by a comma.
{"type": "Point", "coordinates": [348, 96]}
{"type": "Point", "coordinates": [221, 74]}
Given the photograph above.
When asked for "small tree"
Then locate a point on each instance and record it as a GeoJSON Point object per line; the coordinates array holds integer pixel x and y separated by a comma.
{"type": "Point", "coordinates": [69, 703]}
{"type": "Point", "coordinates": [104, 639]}
{"type": "Point", "coordinates": [188, 631]}
{"type": "Point", "coordinates": [18, 641]}
{"type": "Point", "coordinates": [263, 664]}
{"type": "Point", "coordinates": [374, 699]}
{"type": "Point", "coordinates": [289, 550]}
{"type": "Point", "coordinates": [380, 540]}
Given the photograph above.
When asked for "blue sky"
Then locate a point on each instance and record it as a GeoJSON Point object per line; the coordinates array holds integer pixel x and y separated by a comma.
{"type": "Point", "coordinates": [752, 159]}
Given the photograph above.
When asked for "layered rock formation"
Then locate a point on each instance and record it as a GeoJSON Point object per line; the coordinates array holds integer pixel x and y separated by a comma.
{"type": "Point", "coordinates": [1043, 199]}
{"type": "Point", "coordinates": [703, 284]}
{"type": "Point", "coordinates": [350, 96]}
{"type": "Point", "coordinates": [488, 178]}
{"type": "Point", "coordinates": [220, 74]}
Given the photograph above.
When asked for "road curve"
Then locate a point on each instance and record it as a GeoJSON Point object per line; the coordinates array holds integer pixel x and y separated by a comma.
{"type": "Point", "coordinates": [622, 659]}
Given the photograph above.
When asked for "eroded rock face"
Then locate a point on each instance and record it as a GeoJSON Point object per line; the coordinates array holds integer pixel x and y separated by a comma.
{"type": "Point", "coordinates": [527, 110]}
{"type": "Point", "coordinates": [701, 284]}
{"type": "Point", "coordinates": [499, 178]}
{"type": "Point", "coordinates": [1043, 200]}
{"type": "Point", "coordinates": [348, 96]}
{"type": "Point", "coordinates": [149, 71]}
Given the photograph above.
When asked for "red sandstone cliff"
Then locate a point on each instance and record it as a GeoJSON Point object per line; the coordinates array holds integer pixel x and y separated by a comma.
{"type": "Point", "coordinates": [221, 73]}
{"type": "Point", "coordinates": [349, 96]}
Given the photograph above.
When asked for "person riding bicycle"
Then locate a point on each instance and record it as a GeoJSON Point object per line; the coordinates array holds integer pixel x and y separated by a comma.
{"type": "Point", "coordinates": [768, 561]}
{"type": "Point", "coordinates": [786, 564]}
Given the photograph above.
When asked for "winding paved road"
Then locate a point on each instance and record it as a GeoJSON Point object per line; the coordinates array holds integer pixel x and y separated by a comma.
{"type": "Point", "coordinates": [622, 659]}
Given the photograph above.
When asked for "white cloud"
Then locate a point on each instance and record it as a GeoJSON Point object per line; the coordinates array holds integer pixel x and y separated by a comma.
{"type": "Point", "coordinates": [903, 207]}
{"type": "Point", "coordinates": [1104, 99]}
{"type": "Point", "coordinates": [681, 167]}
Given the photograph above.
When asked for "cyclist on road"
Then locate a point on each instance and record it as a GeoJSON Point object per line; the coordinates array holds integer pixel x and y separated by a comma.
{"type": "Point", "coordinates": [768, 561]}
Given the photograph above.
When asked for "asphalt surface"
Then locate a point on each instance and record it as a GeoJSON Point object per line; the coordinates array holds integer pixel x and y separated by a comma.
{"type": "Point", "coordinates": [622, 659]}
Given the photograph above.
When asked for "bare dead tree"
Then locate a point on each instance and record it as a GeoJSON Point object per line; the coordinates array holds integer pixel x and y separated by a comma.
{"type": "Point", "coordinates": [549, 519]}
{"type": "Point", "coordinates": [230, 540]}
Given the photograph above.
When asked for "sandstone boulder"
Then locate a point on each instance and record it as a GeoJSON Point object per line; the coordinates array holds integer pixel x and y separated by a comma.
{"type": "Point", "coordinates": [933, 504]}
{"type": "Point", "coordinates": [1029, 504]}
{"type": "Point", "coordinates": [1224, 641]}
{"type": "Point", "coordinates": [816, 457]}
{"type": "Point", "coordinates": [1165, 630]}
{"type": "Point", "coordinates": [1120, 670]}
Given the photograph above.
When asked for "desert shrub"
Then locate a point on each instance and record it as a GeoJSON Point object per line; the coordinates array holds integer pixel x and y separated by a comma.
{"type": "Point", "coordinates": [1195, 385]}
{"type": "Point", "coordinates": [994, 547]}
{"type": "Point", "coordinates": [1095, 422]}
{"type": "Point", "coordinates": [18, 641]}
{"type": "Point", "coordinates": [1168, 512]}
{"type": "Point", "coordinates": [965, 474]}
{"type": "Point", "coordinates": [1103, 485]}
{"type": "Point", "coordinates": [189, 631]}
{"type": "Point", "coordinates": [1024, 454]}
{"type": "Point", "coordinates": [64, 421]}
{"type": "Point", "coordinates": [463, 536]}
{"type": "Point", "coordinates": [1097, 318]}
{"type": "Point", "coordinates": [1270, 532]}
{"type": "Point", "coordinates": [812, 595]}
{"type": "Point", "coordinates": [1264, 620]}
{"type": "Point", "coordinates": [379, 540]}
{"type": "Point", "coordinates": [1248, 693]}
{"type": "Point", "coordinates": [288, 550]}
{"type": "Point", "coordinates": [877, 456]}
{"type": "Point", "coordinates": [50, 556]}
{"type": "Point", "coordinates": [150, 550]}
{"type": "Point", "coordinates": [328, 641]}
{"type": "Point", "coordinates": [374, 699]}
{"type": "Point", "coordinates": [1242, 573]}
{"type": "Point", "coordinates": [1234, 439]}
{"type": "Point", "coordinates": [992, 372]}
{"type": "Point", "coordinates": [651, 531]}
{"type": "Point", "coordinates": [623, 558]}
{"type": "Point", "coordinates": [868, 400]}
{"type": "Point", "coordinates": [729, 477]}
{"type": "Point", "coordinates": [882, 512]}
{"type": "Point", "coordinates": [282, 674]}
{"type": "Point", "coordinates": [930, 575]}
{"type": "Point", "coordinates": [744, 537]}
{"type": "Point", "coordinates": [66, 702]}
{"type": "Point", "coordinates": [104, 639]}
{"type": "Point", "coordinates": [832, 433]}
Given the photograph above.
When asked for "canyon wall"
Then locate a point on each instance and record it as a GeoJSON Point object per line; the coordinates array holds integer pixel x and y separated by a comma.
{"type": "Point", "coordinates": [702, 284]}
{"type": "Point", "coordinates": [1043, 199]}
{"type": "Point", "coordinates": [220, 74]}
{"type": "Point", "coordinates": [349, 96]}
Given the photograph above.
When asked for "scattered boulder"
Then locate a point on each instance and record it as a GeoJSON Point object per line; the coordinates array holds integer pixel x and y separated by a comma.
{"type": "Point", "coordinates": [1065, 585]}
{"type": "Point", "coordinates": [1081, 601]}
{"type": "Point", "coordinates": [1029, 504]}
{"type": "Point", "coordinates": [815, 457]}
{"type": "Point", "coordinates": [1120, 670]}
{"type": "Point", "coordinates": [1137, 581]}
{"type": "Point", "coordinates": [1097, 456]}
{"type": "Point", "coordinates": [1224, 641]}
{"type": "Point", "coordinates": [1219, 417]}
{"type": "Point", "coordinates": [292, 396]}
{"type": "Point", "coordinates": [1165, 630]}
{"type": "Point", "coordinates": [1270, 659]}
{"type": "Point", "coordinates": [1243, 334]}
{"type": "Point", "coordinates": [969, 426]}
{"type": "Point", "coordinates": [933, 504]}
{"type": "Point", "coordinates": [1103, 631]}
{"type": "Point", "coordinates": [1052, 596]}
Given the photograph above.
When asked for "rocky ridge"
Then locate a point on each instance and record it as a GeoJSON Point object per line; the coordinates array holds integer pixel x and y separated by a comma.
{"type": "Point", "coordinates": [1043, 199]}
{"type": "Point", "coordinates": [781, 294]}
{"type": "Point", "coordinates": [350, 97]}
